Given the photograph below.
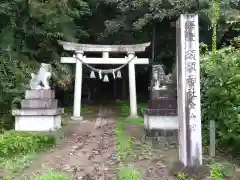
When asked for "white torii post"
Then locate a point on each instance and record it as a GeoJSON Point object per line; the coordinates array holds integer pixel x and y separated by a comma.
{"type": "Point", "coordinates": [105, 49]}
{"type": "Point", "coordinates": [78, 88]}
{"type": "Point", "coordinates": [132, 86]}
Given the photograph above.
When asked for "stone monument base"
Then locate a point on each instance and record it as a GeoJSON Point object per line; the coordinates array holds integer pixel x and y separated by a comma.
{"type": "Point", "coordinates": [40, 120]}
{"type": "Point", "coordinates": [163, 128]}
{"type": "Point", "coordinates": [161, 133]}
{"type": "Point", "coordinates": [161, 122]}
{"type": "Point", "coordinates": [39, 112]}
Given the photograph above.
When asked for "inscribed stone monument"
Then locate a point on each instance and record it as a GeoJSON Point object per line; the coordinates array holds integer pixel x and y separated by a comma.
{"type": "Point", "coordinates": [161, 116]}
{"type": "Point", "coordinates": [188, 82]}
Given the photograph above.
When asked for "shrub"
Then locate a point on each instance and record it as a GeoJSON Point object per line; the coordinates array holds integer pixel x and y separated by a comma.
{"type": "Point", "coordinates": [12, 143]}
{"type": "Point", "coordinates": [220, 95]}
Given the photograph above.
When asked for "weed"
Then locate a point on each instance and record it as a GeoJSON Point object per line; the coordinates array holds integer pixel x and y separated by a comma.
{"type": "Point", "coordinates": [127, 173]}
{"type": "Point", "coordinates": [124, 149]}
{"type": "Point", "coordinates": [52, 175]}
{"type": "Point", "coordinates": [124, 108]}
{"type": "Point", "coordinates": [216, 172]}
{"type": "Point", "coordinates": [181, 176]}
{"type": "Point", "coordinates": [134, 121]}
{"type": "Point", "coordinates": [123, 142]}
{"type": "Point", "coordinates": [15, 143]}
{"type": "Point", "coordinates": [12, 165]}
{"type": "Point", "coordinates": [18, 149]}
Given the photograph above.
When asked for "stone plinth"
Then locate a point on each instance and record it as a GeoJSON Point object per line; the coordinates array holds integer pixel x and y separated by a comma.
{"type": "Point", "coordinates": [161, 120]}
{"type": "Point", "coordinates": [39, 112]}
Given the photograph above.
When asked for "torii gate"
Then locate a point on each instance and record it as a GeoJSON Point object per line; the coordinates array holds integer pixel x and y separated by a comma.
{"type": "Point", "coordinates": [79, 49]}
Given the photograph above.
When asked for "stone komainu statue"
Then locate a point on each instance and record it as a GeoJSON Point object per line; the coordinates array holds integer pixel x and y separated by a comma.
{"type": "Point", "coordinates": [41, 79]}
{"type": "Point", "coordinates": [159, 79]}
{"type": "Point", "coordinates": [158, 76]}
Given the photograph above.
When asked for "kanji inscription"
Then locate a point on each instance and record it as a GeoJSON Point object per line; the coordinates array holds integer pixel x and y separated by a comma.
{"type": "Point", "coordinates": [190, 61]}
{"type": "Point", "coordinates": [189, 34]}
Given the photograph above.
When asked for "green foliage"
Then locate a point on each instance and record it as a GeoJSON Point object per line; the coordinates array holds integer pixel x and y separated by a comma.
{"type": "Point", "coordinates": [124, 150]}
{"type": "Point", "coordinates": [123, 142]}
{"type": "Point", "coordinates": [124, 108]}
{"type": "Point", "coordinates": [134, 121]}
{"type": "Point", "coordinates": [230, 12]}
{"type": "Point", "coordinates": [140, 13]}
{"type": "Point", "coordinates": [15, 143]}
{"type": "Point", "coordinates": [29, 31]}
{"type": "Point", "coordinates": [213, 13]}
{"type": "Point", "coordinates": [15, 164]}
{"type": "Point", "coordinates": [181, 176]}
{"type": "Point", "coordinates": [214, 22]}
{"type": "Point", "coordinates": [236, 42]}
{"type": "Point", "coordinates": [219, 15]}
{"type": "Point", "coordinates": [203, 48]}
{"type": "Point", "coordinates": [216, 172]}
{"type": "Point", "coordinates": [127, 173]}
{"type": "Point", "coordinates": [220, 87]}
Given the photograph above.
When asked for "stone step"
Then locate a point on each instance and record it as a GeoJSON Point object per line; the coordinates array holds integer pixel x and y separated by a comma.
{"type": "Point", "coordinates": [37, 112]}
{"type": "Point", "coordinates": [161, 132]}
{"type": "Point", "coordinates": [161, 112]}
{"type": "Point", "coordinates": [169, 93]}
{"type": "Point", "coordinates": [39, 103]}
{"type": "Point", "coordinates": [163, 104]}
{"type": "Point", "coordinates": [40, 94]}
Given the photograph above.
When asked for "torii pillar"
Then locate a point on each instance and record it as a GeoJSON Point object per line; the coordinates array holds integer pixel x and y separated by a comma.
{"type": "Point", "coordinates": [79, 49]}
{"type": "Point", "coordinates": [78, 88]}
{"type": "Point", "coordinates": [132, 86]}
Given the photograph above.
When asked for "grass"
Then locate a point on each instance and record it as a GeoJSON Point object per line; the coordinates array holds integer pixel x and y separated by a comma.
{"type": "Point", "coordinates": [124, 151]}
{"type": "Point", "coordinates": [13, 165]}
{"type": "Point", "coordinates": [128, 173]}
{"type": "Point", "coordinates": [52, 175]}
{"type": "Point", "coordinates": [30, 145]}
{"type": "Point", "coordinates": [133, 121]}
{"type": "Point", "coordinates": [85, 110]}
{"type": "Point", "coordinates": [124, 142]}
{"type": "Point", "coordinates": [125, 108]}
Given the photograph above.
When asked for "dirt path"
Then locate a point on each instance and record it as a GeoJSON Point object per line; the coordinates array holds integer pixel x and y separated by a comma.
{"type": "Point", "coordinates": [88, 152]}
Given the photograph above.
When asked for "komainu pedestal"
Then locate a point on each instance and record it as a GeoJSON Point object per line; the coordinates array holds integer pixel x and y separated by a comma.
{"type": "Point", "coordinates": [39, 112]}
{"type": "Point", "coordinates": [161, 118]}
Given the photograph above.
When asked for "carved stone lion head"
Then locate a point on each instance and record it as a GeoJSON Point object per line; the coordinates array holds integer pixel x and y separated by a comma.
{"type": "Point", "coordinates": [46, 67]}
